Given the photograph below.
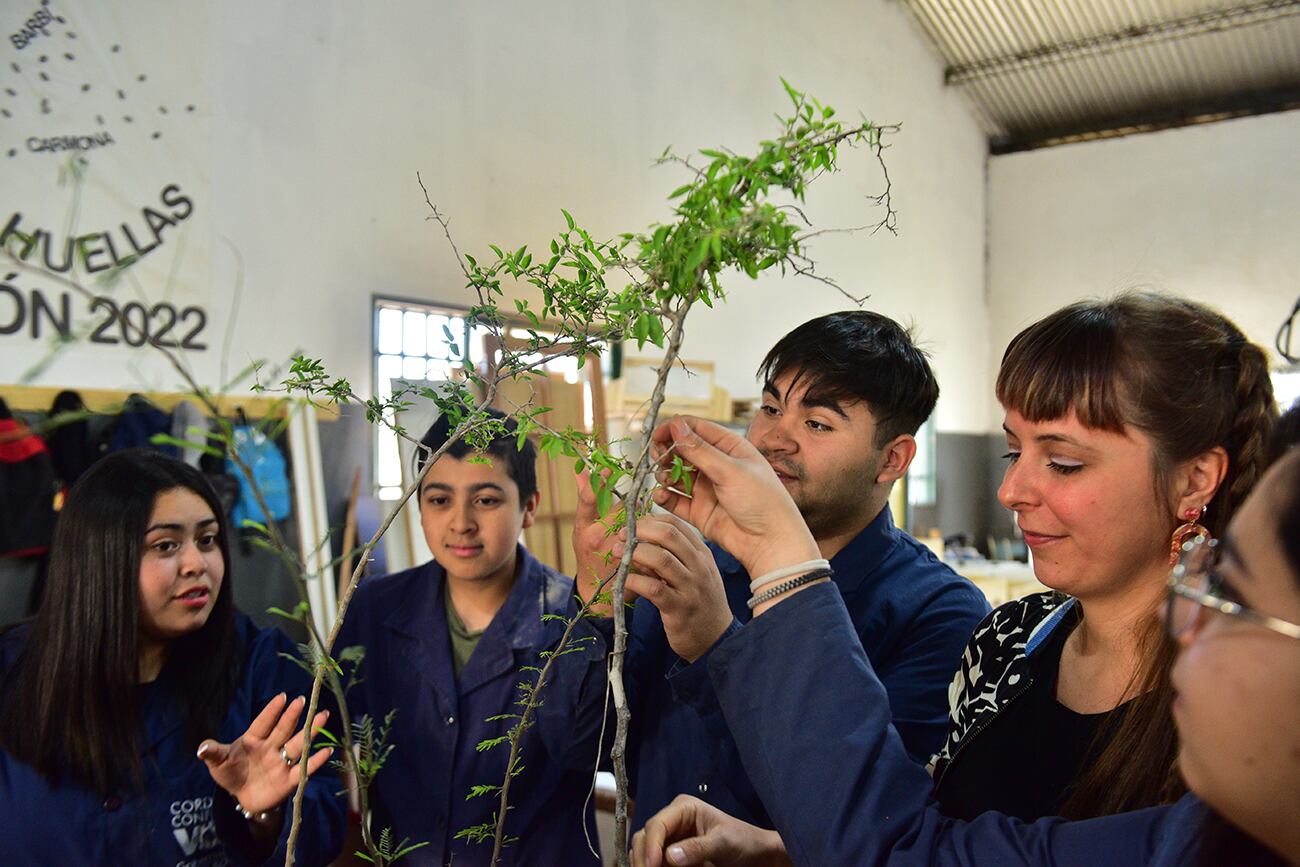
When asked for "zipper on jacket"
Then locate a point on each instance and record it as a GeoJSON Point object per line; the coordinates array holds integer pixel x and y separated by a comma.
{"type": "Point", "coordinates": [975, 730]}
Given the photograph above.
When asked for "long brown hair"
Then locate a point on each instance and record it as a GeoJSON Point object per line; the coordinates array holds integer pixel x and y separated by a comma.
{"type": "Point", "coordinates": [1187, 378]}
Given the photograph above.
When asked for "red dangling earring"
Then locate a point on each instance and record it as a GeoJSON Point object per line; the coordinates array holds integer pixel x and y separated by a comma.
{"type": "Point", "coordinates": [1185, 532]}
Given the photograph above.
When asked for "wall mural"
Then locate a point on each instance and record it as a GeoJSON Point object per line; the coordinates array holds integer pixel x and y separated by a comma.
{"type": "Point", "coordinates": [104, 136]}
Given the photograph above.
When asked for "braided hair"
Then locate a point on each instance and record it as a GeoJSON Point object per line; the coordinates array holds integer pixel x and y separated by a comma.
{"type": "Point", "coordinates": [1186, 377]}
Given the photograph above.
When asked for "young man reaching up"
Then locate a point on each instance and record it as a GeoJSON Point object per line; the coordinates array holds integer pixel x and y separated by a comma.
{"type": "Point", "coordinates": [843, 397]}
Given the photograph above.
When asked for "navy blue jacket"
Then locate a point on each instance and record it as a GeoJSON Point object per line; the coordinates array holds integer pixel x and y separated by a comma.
{"type": "Point", "coordinates": [401, 620]}
{"type": "Point", "coordinates": [839, 784]}
{"type": "Point", "coordinates": [181, 817]}
{"type": "Point", "coordinates": [913, 614]}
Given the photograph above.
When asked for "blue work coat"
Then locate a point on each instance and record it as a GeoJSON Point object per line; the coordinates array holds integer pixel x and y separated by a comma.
{"type": "Point", "coordinates": [181, 817]}
{"type": "Point", "coordinates": [839, 785]}
{"type": "Point", "coordinates": [912, 613]}
{"type": "Point", "coordinates": [421, 792]}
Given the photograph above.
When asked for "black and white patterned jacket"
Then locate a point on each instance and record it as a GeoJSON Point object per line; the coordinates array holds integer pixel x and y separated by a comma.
{"type": "Point", "coordinates": [995, 668]}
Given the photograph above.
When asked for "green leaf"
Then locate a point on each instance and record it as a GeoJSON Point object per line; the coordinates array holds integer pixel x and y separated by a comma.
{"type": "Point", "coordinates": [697, 258]}
{"type": "Point", "coordinates": [568, 218]}
{"type": "Point", "coordinates": [403, 849]}
{"type": "Point", "coordinates": [256, 525]}
{"type": "Point", "coordinates": [656, 330]}
{"type": "Point", "coordinates": [161, 439]}
{"type": "Point", "coordinates": [352, 653]}
{"type": "Point", "coordinates": [299, 612]}
{"type": "Point", "coordinates": [641, 329]}
{"type": "Point", "coordinates": [327, 736]}
{"type": "Point", "coordinates": [795, 95]}
{"type": "Point", "coordinates": [604, 501]}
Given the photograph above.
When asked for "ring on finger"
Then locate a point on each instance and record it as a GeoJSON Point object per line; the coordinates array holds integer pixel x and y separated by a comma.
{"type": "Point", "coordinates": [285, 757]}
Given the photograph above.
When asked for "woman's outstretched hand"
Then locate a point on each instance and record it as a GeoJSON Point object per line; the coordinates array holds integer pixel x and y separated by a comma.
{"type": "Point", "coordinates": [260, 769]}
{"type": "Point", "coordinates": [736, 499]}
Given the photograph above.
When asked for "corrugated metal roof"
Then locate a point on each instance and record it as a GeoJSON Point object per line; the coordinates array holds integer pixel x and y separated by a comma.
{"type": "Point", "coordinates": [1041, 72]}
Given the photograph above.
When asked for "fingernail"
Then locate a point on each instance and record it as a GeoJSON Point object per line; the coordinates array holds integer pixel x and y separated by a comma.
{"type": "Point", "coordinates": [682, 432]}
{"type": "Point", "coordinates": [302, 699]}
{"type": "Point", "coordinates": [618, 549]}
{"type": "Point", "coordinates": [203, 748]}
{"type": "Point", "coordinates": [677, 854]}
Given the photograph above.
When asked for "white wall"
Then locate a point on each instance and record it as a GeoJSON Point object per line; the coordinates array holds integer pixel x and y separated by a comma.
{"type": "Point", "coordinates": [1211, 212]}
{"type": "Point", "coordinates": [317, 115]}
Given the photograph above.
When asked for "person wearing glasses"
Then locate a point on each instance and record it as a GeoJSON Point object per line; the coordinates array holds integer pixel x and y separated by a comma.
{"type": "Point", "coordinates": [1132, 424]}
{"type": "Point", "coordinates": [839, 785]}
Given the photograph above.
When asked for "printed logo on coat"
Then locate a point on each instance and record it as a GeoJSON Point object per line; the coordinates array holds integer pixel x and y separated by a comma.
{"type": "Point", "coordinates": [196, 831]}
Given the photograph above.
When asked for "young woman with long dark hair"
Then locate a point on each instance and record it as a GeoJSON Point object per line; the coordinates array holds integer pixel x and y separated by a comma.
{"type": "Point", "coordinates": [142, 719]}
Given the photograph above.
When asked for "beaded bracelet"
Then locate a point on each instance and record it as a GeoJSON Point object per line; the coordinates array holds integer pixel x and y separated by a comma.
{"type": "Point", "coordinates": [254, 817]}
{"type": "Point", "coordinates": [786, 586]}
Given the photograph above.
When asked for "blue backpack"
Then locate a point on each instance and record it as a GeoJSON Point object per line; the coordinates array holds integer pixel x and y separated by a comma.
{"type": "Point", "coordinates": [261, 455]}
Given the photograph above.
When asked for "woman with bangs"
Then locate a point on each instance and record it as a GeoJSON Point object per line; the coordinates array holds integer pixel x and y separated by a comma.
{"type": "Point", "coordinates": [833, 772]}
{"type": "Point", "coordinates": [1133, 426]}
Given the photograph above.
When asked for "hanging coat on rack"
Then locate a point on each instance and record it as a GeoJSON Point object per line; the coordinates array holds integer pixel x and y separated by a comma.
{"type": "Point", "coordinates": [270, 472]}
{"type": "Point", "coordinates": [138, 423]}
{"type": "Point", "coordinates": [28, 489]}
{"type": "Point", "coordinates": [189, 423]}
{"type": "Point", "coordinates": [69, 441]}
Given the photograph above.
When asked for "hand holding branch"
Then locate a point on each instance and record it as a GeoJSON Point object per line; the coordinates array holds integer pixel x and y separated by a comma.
{"type": "Point", "coordinates": [737, 500]}
{"type": "Point", "coordinates": [674, 570]}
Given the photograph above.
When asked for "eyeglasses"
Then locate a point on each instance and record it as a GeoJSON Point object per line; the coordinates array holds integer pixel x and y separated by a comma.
{"type": "Point", "coordinates": [1286, 332]}
{"type": "Point", "coordinates": [1195, 585]}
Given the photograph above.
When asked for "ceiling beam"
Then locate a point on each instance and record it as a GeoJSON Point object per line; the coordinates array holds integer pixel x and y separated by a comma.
{"type": "Point", "coordinates": [1142, 34]}
{"type": "Point", "coordinates": [1224, 108]}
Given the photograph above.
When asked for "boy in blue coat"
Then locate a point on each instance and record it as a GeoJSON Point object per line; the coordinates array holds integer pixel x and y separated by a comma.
{"type": "Point", "coordinates": [444, 646]}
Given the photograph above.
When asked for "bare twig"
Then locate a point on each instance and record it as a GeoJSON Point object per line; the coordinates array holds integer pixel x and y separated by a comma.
{"type": "Point", "coordinates": [622, 714]}
{"type": "Point", "coordinates": [805, 267]}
